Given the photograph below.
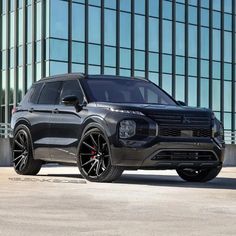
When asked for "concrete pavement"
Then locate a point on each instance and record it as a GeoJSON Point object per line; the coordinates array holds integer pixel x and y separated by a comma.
{"type": "Point", "coordinates": [59, 202]}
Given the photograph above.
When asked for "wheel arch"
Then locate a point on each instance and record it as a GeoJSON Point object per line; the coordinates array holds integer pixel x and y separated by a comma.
{"type": "Point", "coordinates": [22, 122]}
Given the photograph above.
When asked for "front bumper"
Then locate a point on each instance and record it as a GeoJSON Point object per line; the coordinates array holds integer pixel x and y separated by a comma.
{"type": "Point", "coordinates": [147, 157]}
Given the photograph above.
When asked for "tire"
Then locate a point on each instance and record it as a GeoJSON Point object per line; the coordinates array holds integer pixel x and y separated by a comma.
{"type": "Point", "coordinates": [202, 175]}
{"type": "Point", "coordinates": [94, 158]}
{"type": "Point", "coordinates": [22, 153]}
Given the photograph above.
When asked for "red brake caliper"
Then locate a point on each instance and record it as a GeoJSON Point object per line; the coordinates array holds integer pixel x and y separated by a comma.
{"type": "Point", "coordinates": [93, 153]}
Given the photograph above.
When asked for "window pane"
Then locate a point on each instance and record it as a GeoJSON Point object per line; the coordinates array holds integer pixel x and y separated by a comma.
{"type": "Point", "coordinates": [20, 27]}
{"type": "Point", "coordinates": [180, 65]}
{"type": "Point", "coordinates": [110, 56]}
{"type": "Point", "coordinates": [29, 23]}
{"type": "Point", "coordinates": [167, 63]}
{"type": "Point", "coordinates": [167, 36]}
{"type": "Point", "coordinates": [59, 19]}
{"type": "Point", "coordinates": [216, 19]}
{"type": "Point", "coordinates": [204, 17]}
{"type": "Point", "coordinates": [192, 91]}
{"type": "Point", "coordinates": [125, 5]}
{"type": "Point", "coordinates": [58, 50]}
{"type": "Point", "coordinates": [192, 41]}
{"type": "Point", "coordinates": [216, 70]}
{"type": "Point", "coordinates": [180, 12]}
{"type": "Point", "coordinates": [192, 67]}
{"type": "Point", "coordinates": [192, 15]}
{"type": "Point", "coordinates": [227, 71]}
{"type": "Point", "coordinates": [94, 25]}
{"type": "Point", "coordinates": [139, 60]}
{"type": "Point", "coordinates": [216, 99]}
{"type": "Point", "coordinates": [95, 2]}
{"type": "Point", "coordinates": [228, 6]}
{"type": "Point", "coordinates": [217, 5]}
{"type": "Point", "coordinates": [153, 34]}
{"type": "Point", "coordinates": [180, 88]}
{"type": "Point", "coordinates": [180, 39]}
{"type": "Point", "coordinates": [110, 3]}
{"type": "Point", "coordinates": [139, 6]}
{"type": "Point", "coordinates": [38, 20]}
{"type": "Point", "coordinates": [125, 58]}
{"type": "Point", "coordinates": [228, 96]}
{"type": "Point", "coordinates": [216, 45]}
{"type": "Point", "coordinates": [204, 68]}
{"type": "Point", "coordinates": [204, 43]}
{"type": "Point", "coordinates": [167, 10]}
{"type": "Point", "coordinates": [57, 68]}
{"type": "Point", "coordinates": [227, 46]}
{"type": "Point", "coordinates": [167, 83]}
{"type": "Point", "coordinates": [153, 8]}
{"type": "Point", "coordinates": [78, 52]}
{"type": "Point", "coordinates": [204, 101]}
{"type": "Point", "coordinates": [153, 62]}
{"type": "Point", "coordinates": [78, 23]}
{"type": "Point", "coordinates": [110, 27]}
{"type": "Point", "coordinates": [139, 32]}
{"type": "Point", "coordinates": [94, 54]}
{"type": "Point", "coordinates": [125, 30]}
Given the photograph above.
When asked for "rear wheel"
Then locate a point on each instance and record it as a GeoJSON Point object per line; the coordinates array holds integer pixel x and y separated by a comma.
{"type": "Point", "coordinates": [199, 175]}
{"type": "Point", "coordinates": [94, 158]}
{"type": "Point", "coordinates": [23, 161]}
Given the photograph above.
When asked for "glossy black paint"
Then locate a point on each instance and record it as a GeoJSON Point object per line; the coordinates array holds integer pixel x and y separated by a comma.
{"type": "Point", "coordinates": [56, 131]}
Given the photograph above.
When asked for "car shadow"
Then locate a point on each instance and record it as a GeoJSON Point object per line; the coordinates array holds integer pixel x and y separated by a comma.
{"type": "Point", "coordinates": [176, 181]}
{"type": "Point", "coordinates": [161, 181]}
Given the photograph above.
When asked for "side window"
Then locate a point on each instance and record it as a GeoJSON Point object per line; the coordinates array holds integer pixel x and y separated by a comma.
{"type": "Point", "coordinates": [34, 93]}
{"type": "Point", "coordinates": [71, 87]}
{"type": "Point", "coordinates": [50, 93]}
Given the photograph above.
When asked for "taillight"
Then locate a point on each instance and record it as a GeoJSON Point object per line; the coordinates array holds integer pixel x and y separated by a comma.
{"type": "Point", "coordinates": [13, 110]}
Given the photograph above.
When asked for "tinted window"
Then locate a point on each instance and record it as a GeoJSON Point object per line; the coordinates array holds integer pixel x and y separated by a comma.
{"type": "Point", "coordinates": [35, 91]}
{"type": "Point", "coordinates": [125, 91]}
{"type": "Point", "coordinates": [71, 87]}
{"type": "Point", "coordinates": [50, 93]}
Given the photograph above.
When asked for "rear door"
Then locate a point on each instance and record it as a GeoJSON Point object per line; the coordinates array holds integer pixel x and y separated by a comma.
{"type": "Point", "coordinates": [66, 124]}
{"type": "Point", "coordinates": [41, 113]}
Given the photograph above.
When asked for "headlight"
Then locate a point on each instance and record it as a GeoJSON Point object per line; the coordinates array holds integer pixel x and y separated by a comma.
{"type": "Point", "coordinates": [127, 128]}
{"type": "Point", "coordinates": [128, 112]}
{"type": "Point", "coordinates": [218, 129]}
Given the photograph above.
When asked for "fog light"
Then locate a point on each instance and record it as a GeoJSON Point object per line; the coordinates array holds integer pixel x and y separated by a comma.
{"type": "Point", "coordinates": [127, 128]}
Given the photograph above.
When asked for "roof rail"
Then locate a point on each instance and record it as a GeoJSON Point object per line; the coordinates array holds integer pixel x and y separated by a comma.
{"type": "Point", "coordinates": [139, 77]}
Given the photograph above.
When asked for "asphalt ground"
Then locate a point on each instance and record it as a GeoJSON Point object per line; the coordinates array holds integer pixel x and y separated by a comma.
{"type": "Point", "coordinates": [59, 202]}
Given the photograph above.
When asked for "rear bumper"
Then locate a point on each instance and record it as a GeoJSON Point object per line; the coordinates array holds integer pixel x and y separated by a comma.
{"type": "Point", "coordinates": [148, 157]}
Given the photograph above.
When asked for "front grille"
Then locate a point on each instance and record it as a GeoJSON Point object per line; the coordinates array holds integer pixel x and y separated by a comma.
{"type": "Point", "coordinates": [197, 119]}
{"type": "Point", "coordinates": [180, 132]}
{"type": "Point", "coordinates": [177, 123]}
{"type": "Point", "coordinates": [185, 156]}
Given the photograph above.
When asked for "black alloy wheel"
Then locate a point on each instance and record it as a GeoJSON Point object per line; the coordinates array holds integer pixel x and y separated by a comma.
{"type": "Point", "coordinates": [23, 161]}
{"type": "Point", "coordinates": [94, 158]}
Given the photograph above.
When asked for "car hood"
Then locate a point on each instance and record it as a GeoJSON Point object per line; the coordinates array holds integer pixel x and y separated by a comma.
{"type": "Point", "coordinates": [155, 108]}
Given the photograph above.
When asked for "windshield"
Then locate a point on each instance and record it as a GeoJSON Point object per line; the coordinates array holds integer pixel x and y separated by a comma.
{"type": "Point", "coordinates": [125, 91]}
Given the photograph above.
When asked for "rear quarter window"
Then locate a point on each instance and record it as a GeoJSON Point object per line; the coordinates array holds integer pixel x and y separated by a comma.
{"type": "Point", "coordinates": [34, 93]}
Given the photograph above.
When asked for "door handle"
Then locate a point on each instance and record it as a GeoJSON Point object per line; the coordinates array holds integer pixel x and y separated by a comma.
{"type": "Point", "coordinates": [55, 111]}
{"type": "Point", "coordinates": [31, 110]}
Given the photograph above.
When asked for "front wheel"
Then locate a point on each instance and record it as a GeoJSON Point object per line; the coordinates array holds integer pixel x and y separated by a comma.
{"type": "Point", "coordinates": [94, 158]}
{"type": "Point", "coordinates": [199, 175]}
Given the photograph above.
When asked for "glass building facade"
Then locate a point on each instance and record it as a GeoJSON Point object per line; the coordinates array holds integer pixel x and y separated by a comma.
{"type": "Point", "coordinates": [185, 46]}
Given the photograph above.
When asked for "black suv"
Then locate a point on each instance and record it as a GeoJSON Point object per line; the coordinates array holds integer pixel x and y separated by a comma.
{"type": "Point", "coordinates": [107, 124]}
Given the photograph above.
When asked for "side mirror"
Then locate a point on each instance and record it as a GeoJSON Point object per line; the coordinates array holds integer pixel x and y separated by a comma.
{"type": "Point", "coordinates": [70, 100]}
{"type": "Point", "coordinates": [181, 103]}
